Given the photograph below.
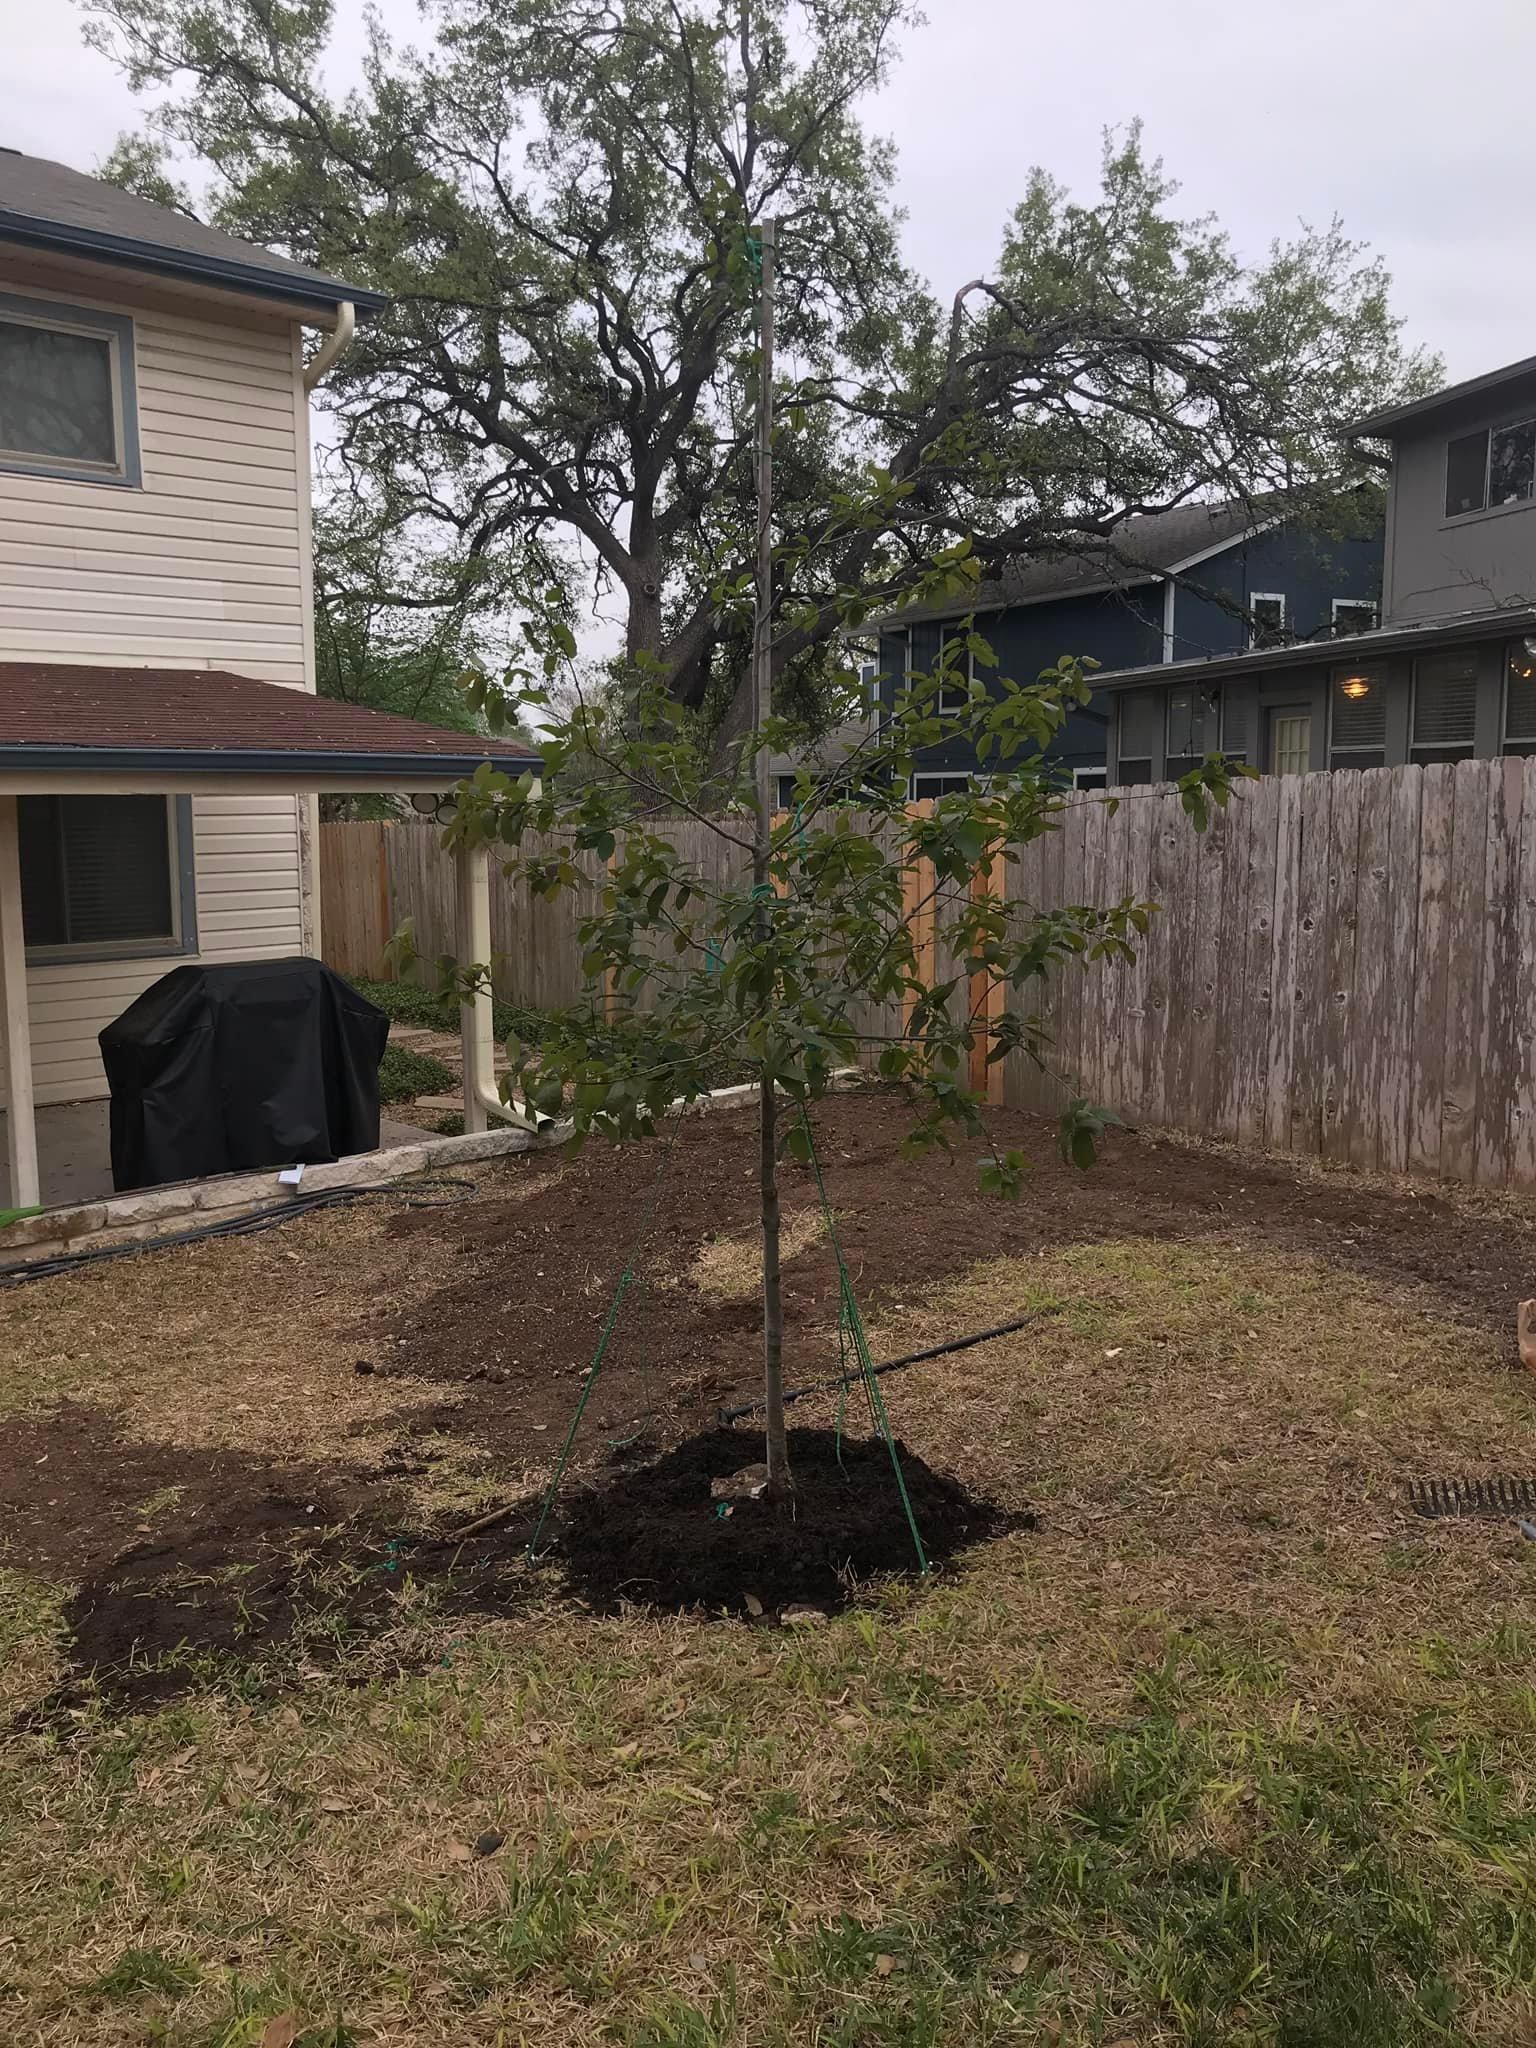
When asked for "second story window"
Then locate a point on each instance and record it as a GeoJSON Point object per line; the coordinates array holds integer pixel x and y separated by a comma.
{"type": "Point", "coordinates": [1266, 612]}
{"type": "Point", "coordinates": [66, 392]}
{"type": "Point", "coordinates": [1489, 468]}
{"type": "Point", "coordinates": [1352, 615]}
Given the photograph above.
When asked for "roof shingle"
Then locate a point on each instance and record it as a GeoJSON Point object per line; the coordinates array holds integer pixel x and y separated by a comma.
{"type": "Point", "coordinates": [54, 706]}
{"type": "Point", "coordinates": [46, 203]}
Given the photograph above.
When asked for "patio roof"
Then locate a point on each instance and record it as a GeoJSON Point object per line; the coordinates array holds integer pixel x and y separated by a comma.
{"type": "Point", "coordinates": [73, 726]}
{"type": "Point", "coordinates": [78, 729]}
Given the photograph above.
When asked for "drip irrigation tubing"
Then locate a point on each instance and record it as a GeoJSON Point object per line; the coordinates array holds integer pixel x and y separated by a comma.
{"type": "Point", "coordinates": [423, 1193]}
{"type": "Point", "coordinates": [850, 1379]}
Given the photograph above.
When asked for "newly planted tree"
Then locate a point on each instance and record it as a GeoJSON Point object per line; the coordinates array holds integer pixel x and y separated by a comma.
{"type": "Point", "coordinates": [795, 946]}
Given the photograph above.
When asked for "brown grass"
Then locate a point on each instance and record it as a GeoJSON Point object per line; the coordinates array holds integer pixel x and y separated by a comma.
{"type": "Point", "coordinates": [1230, 1697]}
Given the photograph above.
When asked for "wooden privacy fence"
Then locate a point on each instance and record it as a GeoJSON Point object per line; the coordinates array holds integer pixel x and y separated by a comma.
{"type": "Point", "coordinates": [1341, 966]}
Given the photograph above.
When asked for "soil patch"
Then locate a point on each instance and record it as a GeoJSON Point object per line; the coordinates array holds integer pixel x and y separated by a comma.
{"type": "Point", "coordinates": [529, 1275]}
{"type": "Point", "coordinates": [272, 1588]}
{"type": "Point", "coordinates": [76, 1490]}
{"type": "Point", "coordinates": [656, 1537]}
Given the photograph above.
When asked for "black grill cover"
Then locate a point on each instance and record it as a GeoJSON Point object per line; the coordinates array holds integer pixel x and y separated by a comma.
{"type": "Point", "coordinates": [259, 1063]}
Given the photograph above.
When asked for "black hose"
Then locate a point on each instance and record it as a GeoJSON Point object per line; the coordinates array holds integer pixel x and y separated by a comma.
{"type": "Point", "coordinates": [854, 1379]}
{"type": "Point", "coordinates": [412, 1192]}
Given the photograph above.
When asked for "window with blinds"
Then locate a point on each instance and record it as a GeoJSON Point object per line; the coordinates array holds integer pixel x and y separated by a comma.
{"type": "Point", "coordinates": [1193, 727]}
{"type": "Point", "coordinates": [1140, 715]}
{"type": "Point", "coordinates": [1444, 707]}
{"type": "Point", "coordinates": [1520, 697]}
{"type": "Point", "coordinates": [1236, 738]}
{"type": "Point", "coordinates": [98, 873]}
{"type": "Point", "coordinates": [1357, 718]}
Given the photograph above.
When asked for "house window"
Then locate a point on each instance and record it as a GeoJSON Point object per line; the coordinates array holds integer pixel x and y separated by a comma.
{"type": "Point", "coordinates": [1489, 468]}
{"type": "Point", "coordinates": [1141, 713]}
{"type": "Point", "coordinates": [1353, 615]}
{"type": "Point", "coordinates": [926, 787]}
{"type": "Point", "coordinates": [102, 875]}
{"type": "Point", "coordinates": [1357, 718]}
{"type": "Point", "coordinates": [1466, 474]}
{"type": "Point", "coordinates": [1520, 697]}
{"type": "Point", "coordinates": [67, 392]}
{"type": "Point", "coordinates": [1444, 707]}
{"type": "Point", "coordinates": [1090, 778]}
{"type": "Point", "coordinates": [1194, 725]}
{"type": "Point", "coordinates": [1266, 612]}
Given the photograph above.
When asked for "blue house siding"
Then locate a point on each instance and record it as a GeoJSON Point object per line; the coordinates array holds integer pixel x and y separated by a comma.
{"type": "Point", "coordinates": [1124, 628]}
{"type": "Point", "coordinates": [1120, 629]}
{"type": "Point", "coordinates": [1309, 570]}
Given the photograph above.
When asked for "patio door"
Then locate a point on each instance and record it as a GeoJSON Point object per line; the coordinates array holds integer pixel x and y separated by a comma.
{"type": "Point", "coordinates": [1289, 751]}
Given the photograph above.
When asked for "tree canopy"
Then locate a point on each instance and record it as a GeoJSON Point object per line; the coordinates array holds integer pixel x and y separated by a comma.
{"type": "Point", "coordinates": [557, 195]}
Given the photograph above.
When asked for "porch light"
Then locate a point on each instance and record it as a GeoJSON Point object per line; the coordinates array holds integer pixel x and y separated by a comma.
{"type": "Point", "coordinates": [1356, 687]}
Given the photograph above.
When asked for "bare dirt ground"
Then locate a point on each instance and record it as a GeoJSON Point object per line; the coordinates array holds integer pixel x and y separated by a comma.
{"type": "Point", "coordinates": [189, 1420]}
{"type": "Point", "coordinates": [1210, 1740]}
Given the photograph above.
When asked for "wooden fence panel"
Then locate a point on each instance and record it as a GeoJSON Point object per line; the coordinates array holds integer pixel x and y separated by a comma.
{"type": "Point", "coordinates": [355, 918]}
{"type": "Point", "coordinates": [1342, 965]}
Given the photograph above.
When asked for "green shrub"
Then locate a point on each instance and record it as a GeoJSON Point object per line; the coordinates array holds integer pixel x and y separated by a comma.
{"type": "Point", "coordinates": [404, 1074]}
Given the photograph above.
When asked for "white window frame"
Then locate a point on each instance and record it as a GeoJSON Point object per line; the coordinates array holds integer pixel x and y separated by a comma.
{"type": "Point", "coordinates": [175, 944]}
{"type": "Point", "coordinates": [117, 331]}
{"type": "Point", "coordinates": [1091, 778]}
{"type": "Point", "coordinates": [1257, 597]}
{"type": "Point", "coordinates": [1487, 507]}
{"type": "Point", "coordinates": [972, 782]}
{"type": "Point", "coordinates": [1357, 604]}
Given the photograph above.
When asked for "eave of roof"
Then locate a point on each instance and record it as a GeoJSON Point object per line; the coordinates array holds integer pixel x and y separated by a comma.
{"type": "Point", "coordinates": [1380, 424]}
{"type": "Point", "coordinates": [305, 763]}
{"type": "Point", "coordinates": [1355, 648]}
{"type": "Point", "coordinates": [296, 288]}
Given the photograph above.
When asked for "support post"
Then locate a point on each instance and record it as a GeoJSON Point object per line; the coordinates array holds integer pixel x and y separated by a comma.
{"type": "Point", "coordinates": [15, 1025]}
{"type": "Point", "coordinates": [472, 947]}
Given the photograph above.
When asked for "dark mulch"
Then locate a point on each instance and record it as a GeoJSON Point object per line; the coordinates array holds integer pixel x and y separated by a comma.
{"type": "Point", "coordinates": [655, 1537]}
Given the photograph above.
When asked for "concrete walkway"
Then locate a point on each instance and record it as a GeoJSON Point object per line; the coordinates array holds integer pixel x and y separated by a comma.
{"type": "Point", "coordinates": [75, 1152]}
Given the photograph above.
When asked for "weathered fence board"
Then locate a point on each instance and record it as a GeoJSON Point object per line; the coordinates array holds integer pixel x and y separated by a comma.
{"type": "Point", "coordinates": [1344, 965]}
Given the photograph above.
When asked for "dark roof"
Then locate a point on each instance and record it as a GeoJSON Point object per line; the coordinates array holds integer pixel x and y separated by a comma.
{"type": "Point", "coordinates": [49, 206]}
{"type": "Point", "coordinates": [1391, 417]}
{"type": "Point", "coordinates": [1136, 552]}
{"type": "Point", "coordinates": [59, 716]}
{"type": "Point", "coordinates": [1452, 630]}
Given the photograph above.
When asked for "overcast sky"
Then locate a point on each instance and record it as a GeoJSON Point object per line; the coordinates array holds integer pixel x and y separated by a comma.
{"type": "Point", "coordinates": [1414, 120]}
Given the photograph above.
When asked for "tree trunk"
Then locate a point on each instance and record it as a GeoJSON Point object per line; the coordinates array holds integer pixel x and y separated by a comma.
{"type": "Point", "coordinates": [773, 1300]}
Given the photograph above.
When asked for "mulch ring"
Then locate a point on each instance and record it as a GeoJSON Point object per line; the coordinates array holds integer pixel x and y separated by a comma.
{"type": "Point", "coordinates": [529, 1277]}
{"type": "Point", "coordinates": [278, 1585]}
{"type": "Point", "coordinates": [662, 1536]}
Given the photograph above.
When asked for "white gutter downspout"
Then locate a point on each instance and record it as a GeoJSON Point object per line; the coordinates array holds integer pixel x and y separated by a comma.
{"type": "Point", "coordinates": [472, 870]}
{"type": "Point", "coordinates": [15, 1026]}
{"type": "Point", "coordinates": [338, 339]}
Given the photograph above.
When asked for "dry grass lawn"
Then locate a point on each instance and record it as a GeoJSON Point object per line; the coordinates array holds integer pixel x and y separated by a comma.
{"type": "Point", "coordinates": [1232, 1750]}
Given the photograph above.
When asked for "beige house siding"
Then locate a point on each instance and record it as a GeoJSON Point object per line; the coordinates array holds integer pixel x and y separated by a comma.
{"type": "Point", "coordinates": [205, 566]}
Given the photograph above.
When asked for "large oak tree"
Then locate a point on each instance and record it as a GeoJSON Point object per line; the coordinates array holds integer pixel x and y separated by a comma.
{"type": "Point", "coordinates": [557, 194]}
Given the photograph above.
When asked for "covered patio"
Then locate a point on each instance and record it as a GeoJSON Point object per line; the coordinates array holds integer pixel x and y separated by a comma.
{"type": "Point", "coordinates": [79, 731]}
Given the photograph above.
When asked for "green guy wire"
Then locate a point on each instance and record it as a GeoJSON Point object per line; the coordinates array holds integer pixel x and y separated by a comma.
{"type": "Point", "coordinates": [848, 1312]}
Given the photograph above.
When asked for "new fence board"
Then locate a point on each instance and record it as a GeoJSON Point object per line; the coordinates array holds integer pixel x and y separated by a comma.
{"type": "Point", "coordinates": [1344, 965]}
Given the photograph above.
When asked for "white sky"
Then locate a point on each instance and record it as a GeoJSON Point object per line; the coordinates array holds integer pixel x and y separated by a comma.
{"type": "Point", "coordinates": [1412, 119]}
